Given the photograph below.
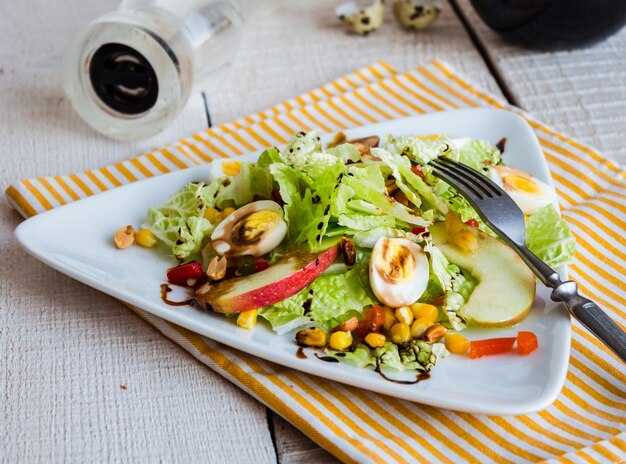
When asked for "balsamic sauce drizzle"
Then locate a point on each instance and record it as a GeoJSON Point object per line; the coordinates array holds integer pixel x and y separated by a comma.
{"type": "Point", "coordinates": [165, 289]}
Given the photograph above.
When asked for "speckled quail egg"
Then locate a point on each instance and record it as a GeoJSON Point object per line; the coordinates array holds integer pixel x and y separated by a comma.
{"type": "Point", "coordinates": [416, 14]}
{"type": "Point", "coordinates": [362, 21]}
{"type": "Point", "coordinates": [254, 229]}
{"type": "Point", "coordinates": [398, 271]}
{"type": "Point", "coordinates": [527, 191]}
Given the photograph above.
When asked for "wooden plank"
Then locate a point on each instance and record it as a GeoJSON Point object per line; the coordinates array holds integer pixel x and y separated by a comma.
{"type": "Point", "coordinates": [301, 45]}
{"type": "Point", "coordinates": [580, 92]}
{"type": "Point", "coordinates": [68, 350]}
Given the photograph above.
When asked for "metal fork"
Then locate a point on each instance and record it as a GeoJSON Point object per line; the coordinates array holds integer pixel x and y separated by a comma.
{"type": "Point", "coordinates": [498, 210]}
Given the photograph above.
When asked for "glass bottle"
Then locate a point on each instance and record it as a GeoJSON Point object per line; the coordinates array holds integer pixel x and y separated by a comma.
{"type": "Point", "coordinates": [131, 71]}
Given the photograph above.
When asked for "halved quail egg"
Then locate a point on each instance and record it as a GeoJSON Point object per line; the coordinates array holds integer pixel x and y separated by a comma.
{"type": "Point", "coordinates": [527, 191]}
{"type": "Point", "coordinates": [254, 229]}
{"type": "Point", "coordinates": [398, 271]}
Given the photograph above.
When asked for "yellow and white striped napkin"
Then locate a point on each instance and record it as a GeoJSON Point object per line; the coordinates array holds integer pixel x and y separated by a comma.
{"type": "Point", "coordinates": [588, 420]}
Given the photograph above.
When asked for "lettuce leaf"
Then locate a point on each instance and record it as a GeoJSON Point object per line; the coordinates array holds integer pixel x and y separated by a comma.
{"type": "Point", "coordinates": [302, 145]}
{"type": "Point", "coordinates": [336, 298]}
{"type": "Point", "coordinates": [549, 237]}
{"type": "Point", "coordinates": [479, 154]}
{"type": "Point", "coordinates": [360, 357]}
{"type": "Point", "coordinates": [269, 156]}
{"type": "Point", "coordinates": [405, 177]}
{"type": "Point", "coordinates": [179, 222]}
{"type": "Point", "coordinates": [345, 152]}
{"type": "Point", "coordinates": [447, 279]}
{"type": "Point", "coordinates": [369, 185]}
{"type": "Point", "coordinates": [421, 150]}
{"type": "Point", "coordinates": [368, 238]}
{"type": "Point", "coordinates": [365, 222]}
{"type": "Point", "coordinates": [416, 355]}
{"type": "Point", "coordinates": [288, 314]}
{"type": "Point", "coordinates": [239, 190]}
{"type": "Point", "coordinates": [330, 300]}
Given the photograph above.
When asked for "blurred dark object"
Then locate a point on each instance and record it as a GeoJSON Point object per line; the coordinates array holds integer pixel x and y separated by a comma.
{"type": "Point", "coordinates": [553, 24]}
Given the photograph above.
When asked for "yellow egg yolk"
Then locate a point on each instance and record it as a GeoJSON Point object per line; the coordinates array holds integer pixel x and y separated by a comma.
{"type": "Point", "coordinates": [252, 227]}
{"type": "Point", "coordinates": [521, 184]}
{"type": "Point", "coordinates": [231, 168]}
{"type": "Point", "coordinates": [397, 263]}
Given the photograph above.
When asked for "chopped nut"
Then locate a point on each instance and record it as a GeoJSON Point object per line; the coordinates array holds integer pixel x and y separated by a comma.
{"type": "Point", "coordinates": [364, 144]}
{"type": "Point", "coordinates": [191, 282]}
{"type": "Point", "coordinates": [124, 237]}
{"type": "Point", "coordinates": [391, 187]}
{"type": "Point", "coordinates": [338, 139]}
{"type": "Point", "coordinates": [311, 337]}
{"type": "Point", "coordinates": [434, 333]}
{"type": "Point", "coordinates": [217, 268]}
{"type": "Point", "coordinates": [348, 251]}
{"type": "Point", "coordinates": [401, 198]}
{"type": "Point", "coordinates": [203, 289]}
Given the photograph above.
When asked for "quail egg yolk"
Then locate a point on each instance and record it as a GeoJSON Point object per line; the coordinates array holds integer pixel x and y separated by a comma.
{"type": "Point", "coordinates": [522, 184]}
{"type": "Point", "coordinates": [252, 227]}
{"type": "Point", "coordinates": [397, 262]}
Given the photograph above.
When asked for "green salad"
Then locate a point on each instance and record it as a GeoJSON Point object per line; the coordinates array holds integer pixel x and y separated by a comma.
{"type": "Point", "coordinates": [356, 248]}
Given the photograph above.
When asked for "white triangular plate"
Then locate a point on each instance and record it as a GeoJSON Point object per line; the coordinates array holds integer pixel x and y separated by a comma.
{"type": "Point", "coordinates": [77, 240]}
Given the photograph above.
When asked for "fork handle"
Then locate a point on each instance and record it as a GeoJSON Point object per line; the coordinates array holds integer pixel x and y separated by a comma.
{"type": "Point", "coordinates": [548, 276]}
{"type": "Point", "coordinates": [586, 311]}
{"type": "Point", "coordinates": [598, 323]}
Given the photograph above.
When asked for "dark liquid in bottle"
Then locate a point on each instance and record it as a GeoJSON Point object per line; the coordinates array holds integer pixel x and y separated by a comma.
{"type": "Point", "coordinates": [553, 24]}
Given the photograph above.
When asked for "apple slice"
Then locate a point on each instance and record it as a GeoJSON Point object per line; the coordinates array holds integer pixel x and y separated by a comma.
{"type": "Point", "coordinates": [287, 277]}
{"type": "Point", "coordinates": [506, 286]}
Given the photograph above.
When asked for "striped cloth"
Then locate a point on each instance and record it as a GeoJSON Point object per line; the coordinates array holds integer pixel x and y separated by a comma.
{"type": "Point", "coordinates": [588, 420]}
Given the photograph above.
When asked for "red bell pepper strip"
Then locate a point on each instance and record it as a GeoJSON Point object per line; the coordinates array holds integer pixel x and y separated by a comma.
{"type": "Point", "coordinates": [526, 343]}
{"type": "Point", "coordinates": [480, 348]}
{"type": "Point", "coordinates": [181, 274]}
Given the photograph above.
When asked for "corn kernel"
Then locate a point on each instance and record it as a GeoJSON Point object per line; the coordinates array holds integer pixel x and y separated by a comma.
{"type": "Point", "coordinates": [375, 340]}
{"type": "Point", "coordinates": [212, 215]}
{"type": "Point", "coordinates": [231, 168]}
{"type": "Point", "coordinates": [340, 340]}
{"type": "Point", "coordinates": [456, 343]}
{"type": "Point", "coordinates": [426, 311]}
{"type": "Point", "coordinates": [247, 319]}
{"type": "Point", "coordinates": [420, 326]}
{"type": "Point", "coordinates": [390, 318]}
{"type": "Point", "coordinates": [227, 212]}
{"type": "Point", "coordinates": [145, 238]}
{"type": "Point", "coordinates": [400, 333]}
{"type": "Point", "coordinates": [404, 315]}
{"type": "Point", "coordinates": [466, 241]}
{"type": "Point", "coordinates": [311, 337]}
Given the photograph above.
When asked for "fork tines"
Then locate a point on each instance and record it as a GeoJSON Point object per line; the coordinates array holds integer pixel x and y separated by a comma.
{"type": "Point", "coordinates": [473, 182]}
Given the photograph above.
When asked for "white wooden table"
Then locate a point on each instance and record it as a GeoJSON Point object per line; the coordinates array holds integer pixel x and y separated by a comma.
{"type": "Point", "coordinates": [67, 351]}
